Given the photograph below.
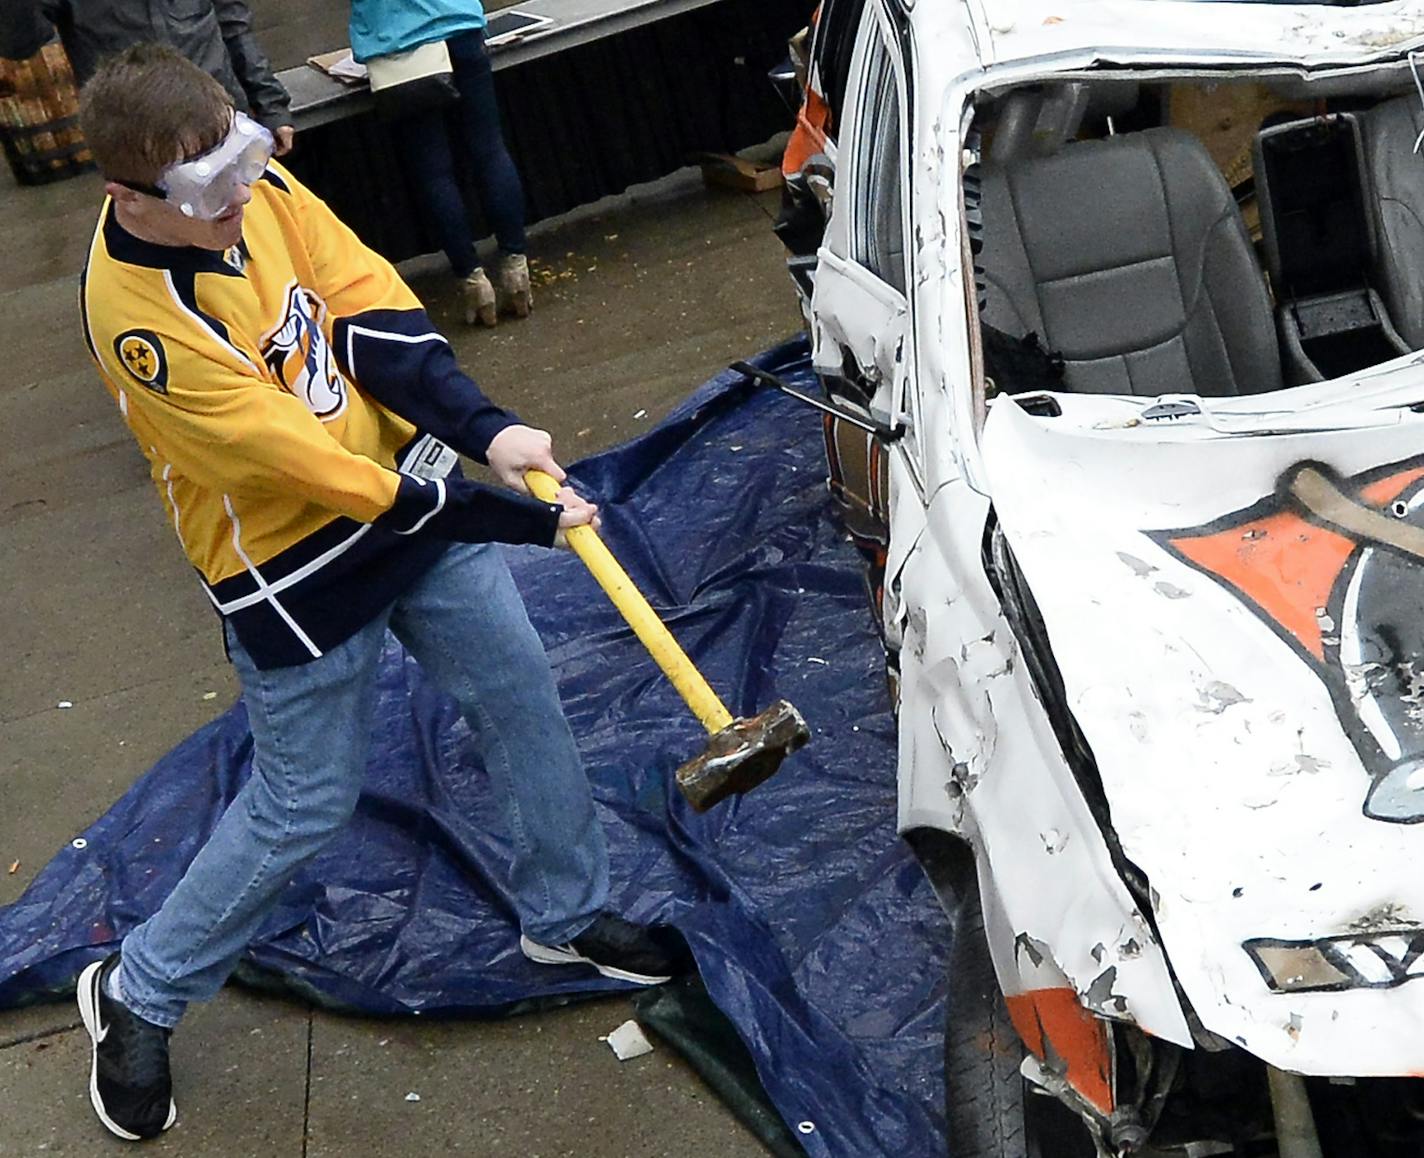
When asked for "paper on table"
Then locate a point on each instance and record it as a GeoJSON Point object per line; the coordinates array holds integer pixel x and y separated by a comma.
{"type": "Point", "coordinates": [339, 64]}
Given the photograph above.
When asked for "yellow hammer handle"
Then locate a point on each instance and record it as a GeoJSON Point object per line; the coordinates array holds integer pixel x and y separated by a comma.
{"type": "Point", "coordinates": [640, 616]}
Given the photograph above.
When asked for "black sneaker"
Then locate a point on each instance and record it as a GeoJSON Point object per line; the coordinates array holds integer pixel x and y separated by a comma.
{"type": "Point", "coordinates": [618, 949]}
{"type": "Point", "coordinates": [129, 1083]}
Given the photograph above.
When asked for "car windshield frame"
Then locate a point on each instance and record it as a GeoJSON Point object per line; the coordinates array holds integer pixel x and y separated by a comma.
{"type": "Point", "coordinates": [1391, 377]}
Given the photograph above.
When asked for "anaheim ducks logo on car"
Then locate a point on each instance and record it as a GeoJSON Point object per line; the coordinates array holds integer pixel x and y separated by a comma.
{"type": "Point", "coordinates": [141, 354]}
{"type": "Point", "coordinates": [297, 352]}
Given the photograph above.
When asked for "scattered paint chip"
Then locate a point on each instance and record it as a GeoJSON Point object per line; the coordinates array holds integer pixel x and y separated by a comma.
{"type": "Point", "coordinates": [210, 695]}
{"type": "Point", "coordinates": [819, 660]}
{"type": "Point", "coordinates": [628, 1041]}
{"type": "Point", "coordinates": [412, 1096]}
{"type": "Point", "coordinates": [65, 704]}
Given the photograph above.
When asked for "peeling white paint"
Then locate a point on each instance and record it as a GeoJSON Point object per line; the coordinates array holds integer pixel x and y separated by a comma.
{"type": "Point", "coordinates": [978, 758]}
{"type": "Point", "coordinates": [1190, 790]}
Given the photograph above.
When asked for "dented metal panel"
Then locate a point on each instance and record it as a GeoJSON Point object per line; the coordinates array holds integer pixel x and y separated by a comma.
{"type": "Point", "coordinates": [977, 757]}
{"type": "Point", "coordinates": [1236, 620]}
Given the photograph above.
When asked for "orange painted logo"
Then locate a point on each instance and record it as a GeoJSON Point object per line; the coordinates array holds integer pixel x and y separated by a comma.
{"type": "Point", "coordinates": [1336, 568]}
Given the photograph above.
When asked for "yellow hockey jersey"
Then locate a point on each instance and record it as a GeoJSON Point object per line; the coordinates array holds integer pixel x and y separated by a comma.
{"type": "Point", "coordinates": [297, 409]}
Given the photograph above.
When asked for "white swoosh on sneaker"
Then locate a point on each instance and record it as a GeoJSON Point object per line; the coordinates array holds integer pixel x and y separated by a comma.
{"type": "Point", "coordinates": [89, 1006]}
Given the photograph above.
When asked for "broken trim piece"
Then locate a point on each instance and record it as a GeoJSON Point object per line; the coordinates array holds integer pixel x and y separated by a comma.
{"type": "Point", "coordinates": [1067, 1039]}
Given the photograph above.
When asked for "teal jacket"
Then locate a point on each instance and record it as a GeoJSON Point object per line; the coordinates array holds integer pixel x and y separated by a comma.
{"type": "Point", "coordinates": [380, 27]}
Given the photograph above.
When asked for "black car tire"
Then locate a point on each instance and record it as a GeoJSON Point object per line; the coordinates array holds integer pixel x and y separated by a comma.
{"type": "Point", "coordinates": [990, 1109]}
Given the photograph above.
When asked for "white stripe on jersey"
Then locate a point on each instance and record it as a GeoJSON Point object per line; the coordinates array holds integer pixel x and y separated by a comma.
{"type": "Point", "coordinates": [202, 321]}
{"type": "Point", "coordinates": [435, 510]}
{"type": "Point", "coordinates": [263, 590]}
{"type": "Point", "coordinates": [266, 589]}
{"type": "Point", "coordinates": [382, 336]}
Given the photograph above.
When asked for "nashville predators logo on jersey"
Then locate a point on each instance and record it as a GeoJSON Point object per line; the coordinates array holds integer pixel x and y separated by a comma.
{"type": "Point", "coordinates": [141, 354]}
{"type": "Point", "coordinates": [297, 352]}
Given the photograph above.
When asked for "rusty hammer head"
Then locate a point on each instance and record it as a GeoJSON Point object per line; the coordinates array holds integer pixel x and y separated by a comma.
{"type": "Point", "coordinates": [742, 755]}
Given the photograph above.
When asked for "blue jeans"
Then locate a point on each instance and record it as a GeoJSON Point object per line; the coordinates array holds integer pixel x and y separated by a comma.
{"type": "Point", "coordinates": [465, 623]}
{"type": "Point", "coordinates": [424, 143]}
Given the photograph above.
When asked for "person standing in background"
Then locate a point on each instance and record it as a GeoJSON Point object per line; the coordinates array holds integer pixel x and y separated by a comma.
{"type": "Point", "coordinates": [216, 35]}
{"type": "Point", "coordinates": [424, 139]}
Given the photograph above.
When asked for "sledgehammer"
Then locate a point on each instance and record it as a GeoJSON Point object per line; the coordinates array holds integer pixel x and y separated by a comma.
{"type": "Point", "coordinates": [741, 753]}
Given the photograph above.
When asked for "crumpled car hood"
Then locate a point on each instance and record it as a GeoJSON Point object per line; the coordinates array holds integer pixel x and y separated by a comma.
{"type": "Point", "coordinates": [1239, 622]}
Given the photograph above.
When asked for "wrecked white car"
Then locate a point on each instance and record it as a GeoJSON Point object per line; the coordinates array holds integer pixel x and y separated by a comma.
{"type": "Point", "coordinates": [1117, 305]}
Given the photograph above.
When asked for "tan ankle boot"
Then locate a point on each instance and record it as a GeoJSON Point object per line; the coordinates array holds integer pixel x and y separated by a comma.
{"type": "Point", "coordinates": [511, 277]}
{"type": "Point", "coordinates": [479, 299]}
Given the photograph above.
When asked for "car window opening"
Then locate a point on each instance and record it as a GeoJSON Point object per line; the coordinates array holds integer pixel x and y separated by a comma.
{"type": "Point", "coordinates": [1181, 237]}
{"type": "Point", "coordinates": [880, 238]}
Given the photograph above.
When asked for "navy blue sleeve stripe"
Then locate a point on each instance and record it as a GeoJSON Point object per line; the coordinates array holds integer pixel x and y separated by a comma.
{"type": "Point", "coordinates": [469, 512]}
{"type": "Point", "coordinates": [402, 361]}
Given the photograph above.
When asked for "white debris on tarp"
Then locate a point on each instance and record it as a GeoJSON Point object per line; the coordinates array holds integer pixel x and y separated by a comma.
{"type": "Point", "coordinates": [628, 1041]}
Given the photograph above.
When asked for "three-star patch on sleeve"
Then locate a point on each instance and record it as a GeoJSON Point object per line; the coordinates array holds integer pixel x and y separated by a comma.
{"type": "Point", "coordinates": [141, 354]}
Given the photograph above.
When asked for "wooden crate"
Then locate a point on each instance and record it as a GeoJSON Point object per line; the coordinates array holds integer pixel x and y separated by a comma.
{"type": "Point", "coordinates": [732, 172]}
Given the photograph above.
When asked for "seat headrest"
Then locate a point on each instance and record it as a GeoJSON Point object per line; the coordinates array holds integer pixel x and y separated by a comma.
{"type": "Point", "coordinates": [1037, 122]}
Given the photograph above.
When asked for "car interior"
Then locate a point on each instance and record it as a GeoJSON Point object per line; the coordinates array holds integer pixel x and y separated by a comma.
{"type": "Point", "coordinates": [1217, 239]}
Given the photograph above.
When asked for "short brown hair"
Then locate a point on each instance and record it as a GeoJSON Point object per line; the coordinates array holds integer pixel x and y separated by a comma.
{"type": "Point", "coordinates": [146, 107]}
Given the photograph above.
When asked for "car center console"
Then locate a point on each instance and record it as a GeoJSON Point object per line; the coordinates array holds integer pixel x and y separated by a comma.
{"type": "Point", "coordinates": [1319, 238]}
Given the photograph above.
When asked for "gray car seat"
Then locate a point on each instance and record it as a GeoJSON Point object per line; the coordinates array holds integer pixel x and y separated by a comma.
{"type": "Point", "coordinates": [1395, 175]}
{"type": "Point", "coordinates": [1128, 258]}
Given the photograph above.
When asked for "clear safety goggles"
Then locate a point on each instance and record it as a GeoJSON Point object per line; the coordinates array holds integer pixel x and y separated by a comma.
{"type": "Point", "coordinates": [205, 186]}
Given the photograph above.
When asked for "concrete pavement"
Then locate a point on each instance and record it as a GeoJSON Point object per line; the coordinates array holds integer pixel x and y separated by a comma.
{"type": "Point", "coordinates": [646, 296]}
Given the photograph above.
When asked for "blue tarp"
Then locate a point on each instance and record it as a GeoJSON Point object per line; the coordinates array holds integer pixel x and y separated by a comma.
{"type": "Point", "coordinates": [813, 928]}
